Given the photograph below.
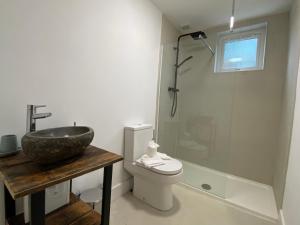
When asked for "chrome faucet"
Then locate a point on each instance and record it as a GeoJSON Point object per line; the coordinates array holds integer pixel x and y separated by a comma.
{"type": "Point", "coordinates": [32, 116]}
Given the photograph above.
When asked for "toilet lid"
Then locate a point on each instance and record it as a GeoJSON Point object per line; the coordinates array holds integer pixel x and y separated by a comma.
{"type": "Point", "coordinates": [172, 167]}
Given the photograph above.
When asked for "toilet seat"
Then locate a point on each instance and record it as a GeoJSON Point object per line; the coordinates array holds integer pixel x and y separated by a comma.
{"type": "Point", "coordinates": [171, 167]}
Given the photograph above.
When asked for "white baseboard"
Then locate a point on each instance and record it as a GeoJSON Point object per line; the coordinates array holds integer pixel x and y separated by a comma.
{"type": "Point", "coordinates": [281, 218]}
{"type": "Point", "coordinates": [121, 189]}
{"type": "Point", "coordinates": [117, 191]}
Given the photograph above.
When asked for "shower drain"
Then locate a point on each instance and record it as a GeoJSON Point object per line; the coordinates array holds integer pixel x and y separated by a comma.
{"type": "Point", "coordinates": [206, 187]}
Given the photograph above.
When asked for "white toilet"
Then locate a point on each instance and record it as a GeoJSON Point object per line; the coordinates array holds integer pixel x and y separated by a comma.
{"type": "Point", "coordinates": [151, 185]}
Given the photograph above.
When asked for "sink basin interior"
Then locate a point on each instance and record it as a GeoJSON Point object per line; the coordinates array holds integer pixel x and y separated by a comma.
{"type": "Point", "coordinates": [61, 132]}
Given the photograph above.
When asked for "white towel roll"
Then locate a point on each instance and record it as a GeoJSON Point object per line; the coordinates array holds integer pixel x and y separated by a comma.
{"type": "Point", "coordinates": [152, 149]}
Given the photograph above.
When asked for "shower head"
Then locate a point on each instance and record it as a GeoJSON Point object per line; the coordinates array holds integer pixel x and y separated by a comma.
{"type": "Point", "coordinates": [195, 35]}
{"type": "Point", "coordinates": [198, 35]}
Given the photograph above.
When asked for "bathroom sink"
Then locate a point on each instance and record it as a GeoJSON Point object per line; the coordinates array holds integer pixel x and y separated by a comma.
{"type": "Point", "coordinates": [56, 144]}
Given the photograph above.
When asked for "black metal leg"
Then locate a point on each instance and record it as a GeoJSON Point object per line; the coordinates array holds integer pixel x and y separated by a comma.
{"type": "Point", "coordinates": [10, 204]}
{"type": "Point", "coordinates": [71, 186]}
{"type": "Point", "coordinates": [106, 195]}
{"type": "Point", "coordinates": [37, 208]}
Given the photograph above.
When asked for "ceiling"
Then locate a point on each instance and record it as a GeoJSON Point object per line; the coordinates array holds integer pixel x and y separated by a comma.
{"type": "Point", "coordinates": [209, 13]}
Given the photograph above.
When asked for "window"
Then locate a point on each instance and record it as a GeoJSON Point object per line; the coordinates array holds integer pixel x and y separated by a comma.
{"type": "Point", "coordinates": [241, 50]}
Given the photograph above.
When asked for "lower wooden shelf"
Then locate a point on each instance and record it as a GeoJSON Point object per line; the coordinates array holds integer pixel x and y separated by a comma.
{"type": "Point", "coordinates": [75, 213]}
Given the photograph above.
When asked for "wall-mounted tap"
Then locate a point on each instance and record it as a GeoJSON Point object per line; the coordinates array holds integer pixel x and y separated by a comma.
{"type": "Point", "coordinates": [32, 116]}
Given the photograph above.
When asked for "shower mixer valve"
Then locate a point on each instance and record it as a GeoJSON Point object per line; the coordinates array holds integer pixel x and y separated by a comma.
{"type": "Point", "coordinates": [171, 89]}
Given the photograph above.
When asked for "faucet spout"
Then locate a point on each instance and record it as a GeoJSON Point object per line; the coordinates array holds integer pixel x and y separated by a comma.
{"type": "Point", "coordinates": [41, 115]}
{"type": "Point", "coordinates": [32, 116]}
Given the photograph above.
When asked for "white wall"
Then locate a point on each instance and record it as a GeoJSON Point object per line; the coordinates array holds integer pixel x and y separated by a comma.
{"type": "Point", "coordinates": [90, 61]}
{"type": "Point", "coordinates": [291, 200]}
{"type": "Point", "coordinates": [288, 105]}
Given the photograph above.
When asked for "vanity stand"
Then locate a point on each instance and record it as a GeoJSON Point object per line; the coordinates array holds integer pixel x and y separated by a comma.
{"type": "Point", "coordinates": [23, 177]}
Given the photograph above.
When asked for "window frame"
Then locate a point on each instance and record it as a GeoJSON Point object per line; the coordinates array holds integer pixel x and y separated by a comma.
{"type": "Point", "coordinates": [244, 33]}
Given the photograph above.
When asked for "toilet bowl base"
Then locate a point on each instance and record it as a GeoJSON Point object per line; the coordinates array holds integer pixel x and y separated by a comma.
{"type": "Point", "coordinates": [156, 194]}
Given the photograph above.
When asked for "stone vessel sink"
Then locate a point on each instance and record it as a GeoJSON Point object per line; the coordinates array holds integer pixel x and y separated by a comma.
{"type": "Point", "coordinates": [56, 144]}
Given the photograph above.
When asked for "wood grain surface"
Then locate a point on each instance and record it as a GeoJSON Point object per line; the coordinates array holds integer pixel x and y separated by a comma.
{"type": "Point", "coordinates": [75, 213]}
{"type": "Point", "coordinates": [22, 176]}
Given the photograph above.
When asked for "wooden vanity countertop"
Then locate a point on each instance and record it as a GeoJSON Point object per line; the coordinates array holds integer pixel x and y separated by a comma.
{"type": "Point", "coordinates": [22, 176]}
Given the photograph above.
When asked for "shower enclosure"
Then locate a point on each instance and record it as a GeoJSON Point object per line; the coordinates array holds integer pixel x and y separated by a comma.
{"type": "Point", "coordinates": [221, 125]}
{"type": "Point", "coordinates": [198, 131]}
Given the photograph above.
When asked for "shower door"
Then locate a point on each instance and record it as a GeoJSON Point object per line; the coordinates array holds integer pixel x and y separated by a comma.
{"type": "Point", "coordinates": [199, 134]}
